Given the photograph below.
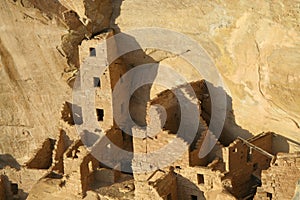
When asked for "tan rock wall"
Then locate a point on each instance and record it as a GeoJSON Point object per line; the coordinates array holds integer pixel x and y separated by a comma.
{"type": "Point", "coordinates": [32, 90]}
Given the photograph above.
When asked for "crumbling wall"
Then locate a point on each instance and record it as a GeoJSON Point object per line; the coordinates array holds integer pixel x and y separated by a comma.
{"type": "Point", "coordinates": [106, 150]}
{"type": "Point", "coordinates": [199, 145]}
{"type": "Point", "coordinates": [243, 163]}
{"type": "Point", "coordinates": [25, 178]}
{"type": "Point", "coordinates": [79, 166]}
{"type": "Point", "coordinates": [87, 167]}
{"type": "Point", "coordinates": [72, 161]}
{"type": "Point", "coordinates": [168, 100]}
{"type": "Point", "coordinates": [105, 176]}
{"type": "Point", "coordinates": [43, 156]}
{"type": "Point", "coordinates": [160, 185]}
{"type": "Point", "coordinates": [280, 180]}
{"type": "Point", "coordinates": [166, 186]}
{"type": "Point", "coordinates": [62, 144]}
{"type": "Point", "coordinates": [151, 145]}
{"type": "Point", "coordinates": [196, 181]}
{"type": "Point", "coordinates": [147, 145]}
{"type": "Point", "coordinates": [71, 113]}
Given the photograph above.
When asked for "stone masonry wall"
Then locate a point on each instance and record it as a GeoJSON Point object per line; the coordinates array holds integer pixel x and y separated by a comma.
{"type": "Point", "coordinates": [241, 162]}
{"type": "Point", "coordinates": [280, 180]}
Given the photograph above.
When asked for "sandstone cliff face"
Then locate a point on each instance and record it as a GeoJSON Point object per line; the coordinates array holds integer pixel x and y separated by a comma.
{"type": "Point", "coordinates": [255, 45]}
{"type": "Point", "coordinates": [32, 88]}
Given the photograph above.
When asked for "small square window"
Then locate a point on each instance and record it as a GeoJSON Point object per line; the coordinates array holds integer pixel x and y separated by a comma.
{"type": "Point", "coordinates": [193, 197]}
{"type": "Point", "coordinates": [14, 188]}
{"type": "Point", "coordinates": [169, 197]}
{"type": "Point", "coordinates": [200, 178]}
{"type": "Point", "coordinates": [92, 52]}
{"type": "Point", "coordinates": [100, 114]}
{"type": "Point", "coordinates": [97, 82]}
{"type": "Point", "coordinates": [255, 166]}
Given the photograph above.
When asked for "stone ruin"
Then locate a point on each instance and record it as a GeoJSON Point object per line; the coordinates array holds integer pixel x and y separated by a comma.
{"type": "Point", "coordinates": [246, 168]}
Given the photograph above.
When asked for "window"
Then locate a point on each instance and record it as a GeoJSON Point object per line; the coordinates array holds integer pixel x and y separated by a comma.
{"type": "Point", "coordinates": [92, 52]}
{"type": "Point", "coordinates": [14, 188]}
{"type": "Point", "coordinates": [255, 166]}
{"type": "Point", "coordinates": [177, 167]}
{"type": "Point", "coordinates": [169, 197]}
{"type": "Point", "coordinates": [269, 195]}
{"type": "Point", "coordinates": [124, 136]}
{"type": "Point", "coordinates": [193, 197]}
{"type": "Point", "coordinates": [200, 178]}
{"type": "Point", "coordinates": [97, 82]}
{"type": "Point", "coordinates": [100, 114]}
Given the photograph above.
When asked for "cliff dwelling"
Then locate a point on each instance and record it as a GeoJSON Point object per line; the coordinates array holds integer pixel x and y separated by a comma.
{"type": "Point", "coordinates": [149, 100]}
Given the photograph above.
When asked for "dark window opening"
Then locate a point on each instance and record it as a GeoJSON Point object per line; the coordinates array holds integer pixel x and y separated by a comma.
{"type": "Point", "coordinates": [100, 114]}
{"type": "Point", "coordinates": [73, 153]}
{"type": "Point", "coordinates": [124, 136]}
{"type": "Point", "coordinates": [255, 166]}
{"type": "Point", "coordinates": [14, 188]}
{"type": "Point", "coordinates": [92, 52]}
{"type": "Point", "coordinates": [269, 195]}
{"type": "Point", "coordinates": [193, 197]}
{"type": "Point", "coordinates": [169, 197]}
{"type": "Point", "coordinates": [200, 178]}
{"type": "Point", "coordinates": [97, 82]}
